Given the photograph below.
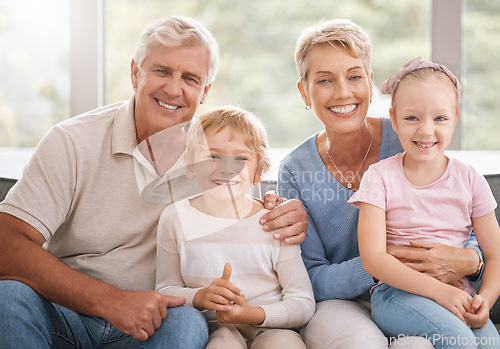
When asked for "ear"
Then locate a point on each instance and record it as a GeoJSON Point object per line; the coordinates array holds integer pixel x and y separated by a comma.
{"type": "Point", "coordinates": [134, 71]}
{"type": "Point", "coordinates": [189, 168]}
{"type": "Point", "coordinates": [257, 178]}
{"type": "Point", "coordinates": [205, 93]}
{"type": "Point", "coordinates": [393, 119]}
{"type": "Point", "coordinates": [371, 85]}
{"type": "Point", "coordinates": [301, 87]}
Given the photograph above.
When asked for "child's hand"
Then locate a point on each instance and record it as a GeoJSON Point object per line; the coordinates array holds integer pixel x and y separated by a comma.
{"type": "Point", "coordinates": [479, 314]}
{"type": "Point", "coordinates": [242, 313]}
{"type": "Point", "coordinates": [219, 294]}
{"type": "Point", "coordinates": [455, 300]}
{"type": "Point", "coordinates": [460, 284]}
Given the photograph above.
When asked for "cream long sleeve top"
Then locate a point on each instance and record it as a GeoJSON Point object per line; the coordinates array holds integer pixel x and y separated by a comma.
{"type": "Point", "coordinates": [193, 248]}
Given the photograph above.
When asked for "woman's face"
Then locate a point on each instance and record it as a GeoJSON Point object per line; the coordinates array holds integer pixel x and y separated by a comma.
{"type": "Point", "coordinates": [338, 88]}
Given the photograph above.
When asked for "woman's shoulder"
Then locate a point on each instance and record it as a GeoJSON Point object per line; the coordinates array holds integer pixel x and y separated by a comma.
{"type": "Point", "coordinates": [390, 144]}
{"type": "Point", "coordinates": [307, 150]}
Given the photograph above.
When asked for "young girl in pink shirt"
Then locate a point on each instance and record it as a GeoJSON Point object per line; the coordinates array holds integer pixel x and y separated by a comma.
{"type": "Point", "coordinates": [421, 194]}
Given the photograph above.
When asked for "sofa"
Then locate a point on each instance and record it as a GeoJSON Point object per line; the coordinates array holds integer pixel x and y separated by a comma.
{"type": "Point", "coordinates": [266, 185]}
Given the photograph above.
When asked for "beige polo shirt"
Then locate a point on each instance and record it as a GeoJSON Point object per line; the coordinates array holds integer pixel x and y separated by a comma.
{"type": "Point", "coordinates": [79, 191]}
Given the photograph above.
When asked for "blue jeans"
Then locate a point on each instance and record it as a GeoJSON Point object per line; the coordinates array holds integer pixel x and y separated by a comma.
{"type": "Point", "coordinates": [399, 313]}
{"type": "Point", "coordinates": [30, 321]}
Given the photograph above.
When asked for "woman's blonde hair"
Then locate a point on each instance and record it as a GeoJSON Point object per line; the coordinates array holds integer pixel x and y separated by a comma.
{"type": "Point", "coordinates": [337, 32]}
{"type": "Point", "coordinates": [239, 121]}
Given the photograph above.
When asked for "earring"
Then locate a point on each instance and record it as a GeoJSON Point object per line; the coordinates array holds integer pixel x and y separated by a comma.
{"type": "Point", "coordinates": [308, 107]}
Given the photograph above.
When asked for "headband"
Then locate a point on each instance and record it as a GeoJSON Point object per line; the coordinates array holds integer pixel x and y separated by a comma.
{"type": "Point", "coordinates": [390, 85]}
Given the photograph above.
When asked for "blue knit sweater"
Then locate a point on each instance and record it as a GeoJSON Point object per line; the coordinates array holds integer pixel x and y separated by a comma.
{"type": "Point", "coordinates": [330, 250]}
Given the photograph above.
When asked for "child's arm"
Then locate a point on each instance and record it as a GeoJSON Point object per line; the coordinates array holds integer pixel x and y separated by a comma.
{"type": "Point", "coordinates": [487, 233]}
{"type": "Point", "coordinates": [297, 303]}
{"type": "Point", "coordinates": [382, 266]}
{"type": "Point", "coordinates": [228, 301]}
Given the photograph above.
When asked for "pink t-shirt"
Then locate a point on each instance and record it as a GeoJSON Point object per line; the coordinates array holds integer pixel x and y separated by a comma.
{"type": "Point", "coordinates": [439, 212]}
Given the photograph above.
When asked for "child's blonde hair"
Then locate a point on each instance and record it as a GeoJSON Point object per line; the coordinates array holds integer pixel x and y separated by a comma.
{"type": "Point", "coordinates": [239, 121]}
{"type": "Point", "coordinates": [424, 74]}
{"type": "Point", "coordinates": [421, 69]}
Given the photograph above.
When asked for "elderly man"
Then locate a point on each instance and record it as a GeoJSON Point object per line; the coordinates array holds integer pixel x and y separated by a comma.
{"type": "Point", "coordinates": [77, 241]}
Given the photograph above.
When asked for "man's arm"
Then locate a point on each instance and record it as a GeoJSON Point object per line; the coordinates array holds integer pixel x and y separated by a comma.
{"type": "Point", "coordinates": [287, 214]}
{"type": "Point", "coordinates": [22, 258]}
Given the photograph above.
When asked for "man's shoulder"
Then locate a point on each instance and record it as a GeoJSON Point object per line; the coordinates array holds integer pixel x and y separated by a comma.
{"type": "Point", "coordinates": [98, 125]}
{"type": "Point", "coordinates": [104, 113]}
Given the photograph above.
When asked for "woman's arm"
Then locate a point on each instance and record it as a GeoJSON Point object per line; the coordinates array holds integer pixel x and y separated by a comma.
{"type": "Point", "coordinates": [446, 263]}
{"type": "Point", "coordinates": [388, 269]}
{"type": "Point", "coordinates": [345, 280]}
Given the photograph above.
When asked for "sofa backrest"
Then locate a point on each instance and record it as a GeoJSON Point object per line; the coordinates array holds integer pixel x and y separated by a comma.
{"type": "Point", "coordinates": [5, 185]}
{"type": "Point", "coordinates": [493, 181]}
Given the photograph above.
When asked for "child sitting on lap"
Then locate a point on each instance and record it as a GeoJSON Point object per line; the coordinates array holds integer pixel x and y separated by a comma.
{"type": "Point", "coordinates": [422, 195]}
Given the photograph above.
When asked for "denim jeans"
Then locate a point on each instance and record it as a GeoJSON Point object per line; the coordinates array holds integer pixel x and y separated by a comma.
{"type": "Point", "coordinates": [399, 313]}
{"type": "Point", "coordinates": [30, 321]}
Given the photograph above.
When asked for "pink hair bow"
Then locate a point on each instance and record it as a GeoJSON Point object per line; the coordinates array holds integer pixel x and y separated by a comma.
{"type": "Point", "coordinates": [390, 85]}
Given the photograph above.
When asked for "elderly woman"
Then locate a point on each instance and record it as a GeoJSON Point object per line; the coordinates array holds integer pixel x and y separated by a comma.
{"type": "Point", "coordinates": [335, 80]}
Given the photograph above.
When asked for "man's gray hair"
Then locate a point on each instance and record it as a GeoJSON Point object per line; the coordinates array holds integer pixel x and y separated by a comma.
{"type": "Point", "coordinates": [176, 31]}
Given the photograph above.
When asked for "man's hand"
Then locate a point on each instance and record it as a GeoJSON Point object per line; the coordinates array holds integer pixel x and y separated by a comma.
{"type": "Point", "coordinates": [287, 214]}
{"type": "Point", "coordinates": [445, 263]}
{"type": "Point", "coordinates": [140, 313]}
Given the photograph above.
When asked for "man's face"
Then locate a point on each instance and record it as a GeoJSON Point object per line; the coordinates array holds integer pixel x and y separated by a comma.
{"type": "Point", "coordinates": [170, 85]}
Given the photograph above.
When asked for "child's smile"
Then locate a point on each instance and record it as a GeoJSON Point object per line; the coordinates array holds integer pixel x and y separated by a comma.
{"type": "Point", "coordinates": [424, 116]}
{"type": "Point", "coordinates": [226, 170]}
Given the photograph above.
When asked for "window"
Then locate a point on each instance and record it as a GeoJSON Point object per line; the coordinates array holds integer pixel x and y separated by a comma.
{"type": "Point", "coordinates": [481, 79]}
{"type": "Point", "coordinates": [257, 44]}
{"type": "Point", "coordinates": [35, 71]}
{"type": "Point", "coordinates": [45, 79]}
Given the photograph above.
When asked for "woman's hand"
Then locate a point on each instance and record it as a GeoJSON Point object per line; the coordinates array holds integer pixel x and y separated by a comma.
{"type": "Point", "coordinates": [445, 263]}
{"type": "Point", "coordinates": [287, 214]}
{"type": "Point", "coordinates": [219, 294]}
